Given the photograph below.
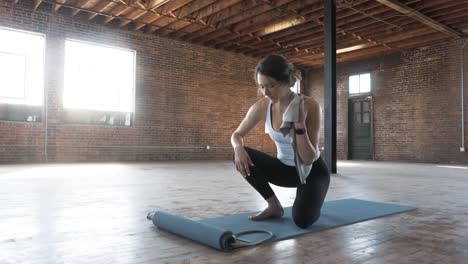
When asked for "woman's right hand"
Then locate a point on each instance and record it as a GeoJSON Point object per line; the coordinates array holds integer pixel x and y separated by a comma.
{"type": "Point", "coordinates": [242, 161]}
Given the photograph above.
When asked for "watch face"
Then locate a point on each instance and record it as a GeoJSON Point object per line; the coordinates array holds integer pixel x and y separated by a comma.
{"type": "Point", "coordinates": [300, 131]}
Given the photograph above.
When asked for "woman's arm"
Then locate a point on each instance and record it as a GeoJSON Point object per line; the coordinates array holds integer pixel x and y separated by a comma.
{"type": "Point", "coordinates": [254, 116]}
{"type": "Point", "coordinates": [309, 118]}
{"type": "Point", "coordinates": [251, 119]}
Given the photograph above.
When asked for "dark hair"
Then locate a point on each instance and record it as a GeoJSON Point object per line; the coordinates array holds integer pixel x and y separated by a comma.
{"type": "Point", "coordinates": [278, 68]}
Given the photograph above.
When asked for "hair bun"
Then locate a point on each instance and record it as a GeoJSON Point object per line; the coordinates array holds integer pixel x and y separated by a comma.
{"type": "Point", "coordinates": [278, 68]}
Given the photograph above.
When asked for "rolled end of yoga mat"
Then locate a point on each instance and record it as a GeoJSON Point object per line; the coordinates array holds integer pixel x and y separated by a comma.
{"type": "Point", "coordinates": [203, 233]}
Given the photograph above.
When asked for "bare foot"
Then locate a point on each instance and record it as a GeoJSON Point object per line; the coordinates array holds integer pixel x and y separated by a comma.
{"type": "Point", "coordinates": [269, 212]}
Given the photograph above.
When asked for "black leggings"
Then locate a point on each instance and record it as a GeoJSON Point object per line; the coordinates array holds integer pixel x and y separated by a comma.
{"type": "Point", "coordinates": [309, 196]}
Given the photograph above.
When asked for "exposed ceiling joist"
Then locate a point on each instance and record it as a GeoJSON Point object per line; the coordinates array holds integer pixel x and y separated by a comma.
{"type": "Point", "coordinates": [37, 3]}
{"type": "Point", "coordinates": [56, 8]}
{"type": "Point", "coordinates": [395, 5]}
{"type": "Point", "coordinates": [153, 4]}
{"type": "Point", "coordinates": [291, 27]}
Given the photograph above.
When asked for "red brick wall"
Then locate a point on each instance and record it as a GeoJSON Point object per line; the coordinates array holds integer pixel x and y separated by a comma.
{"type": "Point", "coordinates": [417, 107]}
{"type": "Point", "coordinates": [187, 97]}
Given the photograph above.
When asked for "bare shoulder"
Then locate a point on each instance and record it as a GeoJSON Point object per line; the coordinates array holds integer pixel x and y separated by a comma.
{"type": "Point", "coordinates": [311, 104]}
{"type": "Point", "coordinates": [259, 107]}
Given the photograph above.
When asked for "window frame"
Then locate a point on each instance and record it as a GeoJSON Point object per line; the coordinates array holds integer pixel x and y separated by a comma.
{"type": "Point", "coordinates": [32, 108]}
{"type": "Point", "coordinates": [359, 94]}
{"type": "Point", "coordinates": [93, 112]}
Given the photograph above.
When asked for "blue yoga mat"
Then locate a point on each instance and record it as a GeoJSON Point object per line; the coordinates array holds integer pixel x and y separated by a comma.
{"type": "Point", "coordinates": [220, 232]}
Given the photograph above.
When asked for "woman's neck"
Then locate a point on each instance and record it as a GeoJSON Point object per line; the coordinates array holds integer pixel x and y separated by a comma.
{"type": "Point", "coordinates": [284, 100]}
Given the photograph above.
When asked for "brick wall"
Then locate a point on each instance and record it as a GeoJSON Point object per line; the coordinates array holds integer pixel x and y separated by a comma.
{"type": "Point", "coordinates": [417, 107]}
{"type": "Point", "coordinates": [187, 97]}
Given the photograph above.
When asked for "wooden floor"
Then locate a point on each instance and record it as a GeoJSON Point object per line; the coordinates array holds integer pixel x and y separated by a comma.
{"type": "Point", "coordinates": [95, 213]}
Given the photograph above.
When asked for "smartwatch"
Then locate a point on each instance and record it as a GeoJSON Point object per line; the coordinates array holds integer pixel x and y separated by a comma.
{"type": "Point", "coordinates": [300, 131]}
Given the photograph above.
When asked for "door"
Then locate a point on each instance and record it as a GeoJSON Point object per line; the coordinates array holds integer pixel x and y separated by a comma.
{"type": "Point", "coordinates": [359, 139]}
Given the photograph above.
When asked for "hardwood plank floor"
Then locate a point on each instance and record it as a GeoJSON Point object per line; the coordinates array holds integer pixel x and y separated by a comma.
{"type": "Point", "coordinates": [95, 213]}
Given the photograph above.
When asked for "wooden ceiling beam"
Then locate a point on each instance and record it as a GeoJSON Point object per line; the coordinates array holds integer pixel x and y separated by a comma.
{"type": "Point", "coordinates": [149, 17]}
{"type": "Point", "coordinates": [184, 12]}
{"type": "Point", "coordinates": [448, 13]}
{"type": "Point", "coordinates": [154, 4]}
{"type": "Point", "coordinates": [341, 14]}
{"type": "Point", "coordinates": [233, 11]}
{"type": "Point", "coordinates": [424, 6]}
{"type": "Point", "coordinates": [306, 26]}
{"type": "Point", "coordinates": [172, 27]}
{"type": "Point", "coordinates": [369, 20]}
{"type": "Point", "coordinates": [308, 46]}
{"type": "Point", "coordinates": [249, 25]}
{"type": "Point", "coordinates": [419, 16]}
{"type": "Point", "coordinates": [215, 8]}
{"type": "Point", "coordinates": [112, 15]}
{"type": "Point", "coordinates": [193, 7]}
{"type": "Point", "coordinates": [145, 14]}
{"type": "Point", "coordinates": [389, 39]}
{"type": "Point", "coordinates": [37, 3]}
{"type": "Point", "coordinates": [167, 8]}
{"type": "Point", "coordinates": [204, 13]}
{"type": "Point", "coordinates": [281, 14]}
{"type": "Point", "coordinates": [318, 60]}
{"type": "Point", "coordinates": [56, 8]}
{"type": "Point", "coordinates": [312, 27]}
{"type": "Point", "coordinates": [407, 44]}
{"type": "Point", "coordinates": [116, 11]}
{"type": "Point", "coordinates": [315, 42]}
{"type": "Point", "coordinates": [218, 17]}
{"type": "Point", "coordinates": [239, 17]}
{"type": "Point", "coordinates": [318, 29]}
{"type": "Point", "coordinates": [386, 37]}
{"type": "Point", "coordinates": [318, 35]}
{"type": "Point", "coordinates": [374, 30]}
{"type": "Point", "coordinates": [82, 4]}
{"type": "Point", "coordinates": [458, 22]}
{"type": "Point", "coordinates": [399, 45]}
{"type": "Point", "coordinates": [133, 15]}
{"type": "Point", "coordinates": [172, 5]}
{"type": "Point", "coordinates": [460, 13]}
{"type": "Point", "coordinates": [160, 23]}
{"type": "Point", "coordinates": [103, 14]}
{"type": "Point", "coordinates": [101, 7]}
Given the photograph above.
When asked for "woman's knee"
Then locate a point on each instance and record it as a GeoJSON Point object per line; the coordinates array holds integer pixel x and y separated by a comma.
{"type": "Point", "coordinates": [304, 220]}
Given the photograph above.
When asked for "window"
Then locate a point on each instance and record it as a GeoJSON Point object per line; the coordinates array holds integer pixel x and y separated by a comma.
{"type": "Point", "coordinates": [99, 83]}
{"type": "Point", "coordinates": [21, 75]}
{"type": "Point", "coordinates": [359, 84]}
{"type": "Point", "coordinates": [297, 86]}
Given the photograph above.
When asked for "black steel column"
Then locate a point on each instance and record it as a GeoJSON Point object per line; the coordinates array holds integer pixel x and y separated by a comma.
{"type": "Point", "coordinates": [330, 83]}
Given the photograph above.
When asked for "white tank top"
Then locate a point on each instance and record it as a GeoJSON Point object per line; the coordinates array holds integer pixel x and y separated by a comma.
{"type": "Point", "coordinates": [284, 147]}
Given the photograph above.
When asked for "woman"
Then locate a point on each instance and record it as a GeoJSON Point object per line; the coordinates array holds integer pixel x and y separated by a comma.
{"type": "Point", "coordinates": [297, 152]}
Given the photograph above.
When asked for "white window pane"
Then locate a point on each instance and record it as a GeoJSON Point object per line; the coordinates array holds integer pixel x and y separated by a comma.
{"type": "Point", "coordinates": [12, 71]}
{"type": "Point", "coordinates": [364, 83]}
{"type": "Point", "coordinates": [21, 67]}
{"type": "Point", "coordinates": [354, 84]}
{"type": "Point", "coordinates": [98, 77]}
{"type": "Point", "coordinates": [296, 87]}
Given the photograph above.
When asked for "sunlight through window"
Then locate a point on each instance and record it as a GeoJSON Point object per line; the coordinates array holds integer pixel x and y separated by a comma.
{"type": "Point", "coordinates": [98, 77]}
{"type": "Point", "coordinates": [21, 67]}
{"type": "Point", "coordinates": [359, 84]}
